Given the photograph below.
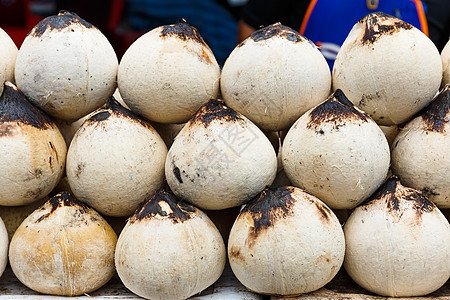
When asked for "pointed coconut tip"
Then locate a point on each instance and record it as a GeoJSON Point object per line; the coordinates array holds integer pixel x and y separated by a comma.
{"type": "Point", "coordinates": [182, 30]}
{"type": "Point", "coordinates": [63, 199]}
{"type": "Point", "coordinates": [378, 24]}
{"type": "Point", "coordinates": [276, 30]}
{"type": "Point", "coordinates": [336, 109]}
{"type": "Point", "coordinates": [214, 110]}
{"type": "Point", "coordinates": [163, 205]}
{"type": "Point", "coordinates": [62, 20]}
{"type": "Point", "coordinates": [437, 115]}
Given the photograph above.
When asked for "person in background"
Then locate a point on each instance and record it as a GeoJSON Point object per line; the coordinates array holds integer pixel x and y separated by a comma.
{"type": "Point", "coordinates": [328, 22]}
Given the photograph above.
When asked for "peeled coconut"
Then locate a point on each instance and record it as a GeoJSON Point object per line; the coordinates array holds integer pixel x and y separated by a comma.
{"type": "Point", "coordinates": [8, 54]}
{"type": "Point", "coordinates": [168, 73]}
{"type": "Point", "coordinates": [33, 150]}
{"type": "Point", "coordinates": [445, 56]}
{"type": "Point", "coordinates": [274, 76]}
{"type": "Point", "coordinates": [63, 248]}
{"type": "Point", "coordinates": [398, 243]}
{"type": "Point", "coordinates": [220, 159]}
{"type": "Point", "coordinates": [336, 152]}
{"type": "Point", "coordinates": [4, 244]}
{"type": "Point", "coordinates": [285, 242]}
{"type": "Point", "coordinates": [66, 66]}
{"type": "Point", "coordinates": [115, 160]}
{"type": "Point", "coordinates": [169, 250]}
{"type": "Point", "coordinates": [388, 68]}
{"type": "Point", "coordinates": [420, 153]}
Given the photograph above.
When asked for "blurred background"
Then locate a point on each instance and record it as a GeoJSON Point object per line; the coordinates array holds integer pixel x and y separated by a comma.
{"type": "Point", "coordinates": [223, 23]}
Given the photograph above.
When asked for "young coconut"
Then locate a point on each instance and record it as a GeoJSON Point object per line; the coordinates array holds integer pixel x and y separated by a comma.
{"type": "Point", "coordinates": [337, 153]}
{"type": "Point", "coordinates": [66, 66]}
{"type": "Point", "coordinates": [33, 150]}
{"type": "Point", "coordinates": [169, 250]}
{"type": "Point", "coordinates": [115, 160]}
{"type": "Point", "coordinates": [168, 73]}
{"type": "Point", "coordinates": [420, 153]}
{"type": "Point", "coordinates": [4, 244]}
{"type": "Point", "coordinates": [8, 54]}
{"type": "Point", "coordinates": [220, 159]}
{"type": "Point", "coordinates": [274, 76]}
{"type": "Point", "coordinates": [397, 243]}
{"type": "Point", "coordinates": [285, 242]}
{"type": "Point", "coordinates": [63, 248]}
{"type": "Point", "coordinates": [388, 68]}
{"type": "Point", "coordinates": [445, 56]}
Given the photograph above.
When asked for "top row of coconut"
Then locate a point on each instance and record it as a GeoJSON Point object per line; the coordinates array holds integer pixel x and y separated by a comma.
{"type": "Point", "coordinates": [68, 68]}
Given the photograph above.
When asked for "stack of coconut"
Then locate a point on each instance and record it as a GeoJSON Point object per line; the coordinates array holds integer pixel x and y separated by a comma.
{"type": "Point", "coordinates": [251, 163]}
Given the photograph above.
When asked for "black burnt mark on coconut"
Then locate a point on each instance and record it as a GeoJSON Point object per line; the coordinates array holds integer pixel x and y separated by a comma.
{"type": "Point", "coordinates": [337, 109]}
{"type": "Point", "coordinates": [164, 204]}
{"type": "Point", "coordinates": [113, 107]}
{"type": "Point", "coordinates": [182, 30]}
{"type": "Point", "coordinates": [397, 197]}
{"type": "Point", "coordinates": [275, 30]}
{"type": "Point", "coordinates": [58, 22]}
{"type": "Point", "coordinates": [235, 252]}
{"type": "Point", "coordinates": [15, 108]}
{"type": "Point", "coordinates": [64, 199]}
{"type": "Point", "coordinates": [177, 173]}
{"type": "Point", "coordinates": [324, 212]}
{"type": "Point", "coordinates": [272, 204]}
{"type": "Point", "coordinates": [375, 26]}
{"type": "Point", "coordinates": [437, 114]}
{"type": "Point", "coordinates": [214, 109]}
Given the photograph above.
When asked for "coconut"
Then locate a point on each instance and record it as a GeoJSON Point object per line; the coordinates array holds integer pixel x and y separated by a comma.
{"type": "Point", "coordinates": [33, 150]}
{"type": "Point", "coordinates": [445, 56]}
{"type": "Point", "coordinates": [388, 68]}
{"type": "Point", "coordinates": [337, 153]}
{"type": "Point", "coordinates": [420, 153]}
{"type": "Point", "coordinates": [115, 160]}
{"type": "Point", "coordinates": [168, 73]}
{"type": "Point", "coordinates": [397, 243]}
{"type": "Point", "coordinates": [4, 244]}
{"type": "Point", "coordinates": [169, 250]}
{"type": "Point", "coordinates": [66, 66]}
{"type": "Point", "coordinates": [220, 159]}
{"type": "Point", "coordinates": [274, 76]}
{"type": "Point", "coordinates": [63, 248]}
{"type": "Point", "coordinates": [285, 242]}
{"type": "Point", "coordinates": [8, 54]}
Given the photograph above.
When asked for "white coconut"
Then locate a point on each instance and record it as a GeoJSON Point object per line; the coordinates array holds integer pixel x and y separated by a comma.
{"type": "Point", "coordinates": [420, 153]}
{"type": "Point", "coordinates": [115, 160]}
{"type": "Point", "coordinates": [169, 250]}
{"type": "Point", "coordinates": [274, 76]}
{"type": "Point", "coordinates": [220, 159]}
{"type": "Point", "coordinates": [4, 244]}
{"type": "Point", "coordinates": [285, 242]}
{"type": "Point", "coordinates": [398, 243]}
{"type": "Point", "coordinates": [445, 56]}
{"type": "Point", "coordinates": [66, 66]}
{"type": "Point", "coordinates": [337, 153]}
{"type": "Point", "coordinates": [33, 150]}
{"type": "Point", "coordinates": [63, 248]}
{"type": "Point", "coordinates": [168, 73]}
{"type": "Point", "coordinates": [8, 54]}
{"type": "Point", "coordinates": [388, 68]}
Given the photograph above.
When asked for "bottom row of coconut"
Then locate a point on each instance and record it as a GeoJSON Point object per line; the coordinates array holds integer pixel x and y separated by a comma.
{"type": "Point", "coordinates": [283, 242]}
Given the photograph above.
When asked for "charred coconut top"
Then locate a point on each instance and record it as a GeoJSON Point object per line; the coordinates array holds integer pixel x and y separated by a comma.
{"type": "Point", "coordinates": [276, 30]}
{"type": "Point", "coordinates": [58, 22]}
{"type": "Point", "coordinates": [14, 107]}
{"type": "Point", "coordinates": [165, 205]}
{"type": "Point", "coordinates": [64, 199]}
{"type": "Point", "coordinates": [437, 114]}
{"type": "Point", "coordinates": [112, 106]}
{"type": "Point", "coordinates": [395, 196]}
{"type": "Point", "coordinates": [214, 109]}
{"type": "Point", "coordinates": [379, 24]}
{"type": "Point", "coordinates": [183, 31]}
{"type": "Point", "coordinates": [336, 109]}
